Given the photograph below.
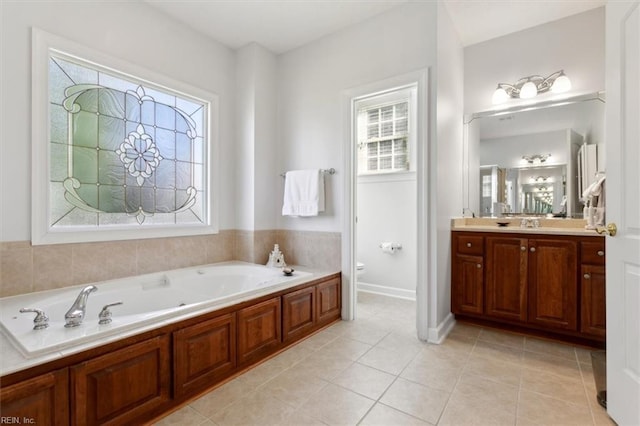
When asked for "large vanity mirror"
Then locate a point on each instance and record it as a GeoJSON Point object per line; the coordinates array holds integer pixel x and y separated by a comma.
{"type": "Point", "coordinates": [534, 159]}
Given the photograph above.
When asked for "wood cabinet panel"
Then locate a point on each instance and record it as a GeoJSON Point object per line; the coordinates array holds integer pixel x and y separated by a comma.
{"type": "Point", "coordinates": [329, 301]}
{"type": "Point", "coordinates": [553, 284]}
{"type": "Point", "coordinates": [203, 353]}
{"type": "Point", "coordinates": [43, 400]}
{"type": "Point", "coordinates": [298, 313]}
{"type": "Point", "coordinates": [259, 330]}
{"type": "Point", "coordinates": [119, 387]}
{"type": "Point", "coordinates": [470, 244]}
{"type": "Point", "coordinates": [506, 278]}
{"type": "Point", "coordinates": [468, 285]}
{"type": "Point", "coordinates": [593, 291]}
{"type": "Point", "coordinates": [592, 252]}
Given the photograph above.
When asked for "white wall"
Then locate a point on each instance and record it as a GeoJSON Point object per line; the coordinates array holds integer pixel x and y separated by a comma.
{"type": "Point", "coordinates": [257, 178]}
{"type": "Point", "coordinates": [448, 164]}
{"type": "Point", "coordinates": [312, 79]}
{"type": "Point", "coordinates": [575, 44]}
{"type": "Point", "coordinates": [387, 212]}
{"type": "Point", "coordinates": [507, 152]}
{"type": "Point", "coordinates": [131, 31]}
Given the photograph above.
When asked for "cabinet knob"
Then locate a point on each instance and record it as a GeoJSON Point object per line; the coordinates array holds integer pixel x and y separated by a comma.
{"type": "Point", "coordinates": [478, 266]}
{"type": "Point", "coordinates": [468, 244]}
{"type": "Point", "coordinates": [600, 253]}
{"type": "Point", "coordinates": [587, 276]}
{"type": "Point", "coordinates": [532, 249]}
{"type": "Point", "coordinates": [523, 248]}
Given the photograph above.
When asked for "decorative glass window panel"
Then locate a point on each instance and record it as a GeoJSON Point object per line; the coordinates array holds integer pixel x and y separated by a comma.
{"type": "Point", "coordinates": [384, 144]}
{"type": "Point", "coordinates": [124, 154]}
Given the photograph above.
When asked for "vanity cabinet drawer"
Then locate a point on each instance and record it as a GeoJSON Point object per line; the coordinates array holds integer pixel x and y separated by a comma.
{"type": "Point", "coordinates": [592, 253]}
{"type": "Point", "coordinates": [470, 244]}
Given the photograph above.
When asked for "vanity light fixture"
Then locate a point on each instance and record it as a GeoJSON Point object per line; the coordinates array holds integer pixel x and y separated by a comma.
{"type": "Point", "coordinates": [539, 178]}
{"type": "Point", "coordinates": [536, 158]}
{"type": "Point", "coordinates": [531, 86]}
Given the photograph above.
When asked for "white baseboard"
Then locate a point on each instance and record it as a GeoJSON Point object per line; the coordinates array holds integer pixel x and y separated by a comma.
{"type": "Point", "coordinates": [400, 293]}
{"type": "Point", "coordinates": [439, 333]}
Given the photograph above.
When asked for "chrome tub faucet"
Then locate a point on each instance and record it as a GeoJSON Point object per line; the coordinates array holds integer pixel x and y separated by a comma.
{"type": "Point", "coordinates": [75, 314]}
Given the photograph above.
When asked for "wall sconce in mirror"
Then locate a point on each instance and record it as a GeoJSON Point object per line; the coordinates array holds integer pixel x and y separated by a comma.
{"type": "Point", "coordinates": [536, 158]}
{"type": "Point", "coordinates": [531, 86]}
{"type": "Point", "coordinates": [540, 179]}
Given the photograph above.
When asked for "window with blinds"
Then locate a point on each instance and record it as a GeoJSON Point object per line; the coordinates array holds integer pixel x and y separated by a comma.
{"type": "Point", "coordinates": [383, 134]}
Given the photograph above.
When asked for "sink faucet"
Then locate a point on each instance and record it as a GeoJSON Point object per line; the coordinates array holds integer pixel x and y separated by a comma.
{"type": "Point", "coordinates": [75, 314]}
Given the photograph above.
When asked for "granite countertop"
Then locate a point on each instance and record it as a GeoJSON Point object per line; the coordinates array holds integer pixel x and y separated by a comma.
{"type": "Point", "coordinates": [548, 226]}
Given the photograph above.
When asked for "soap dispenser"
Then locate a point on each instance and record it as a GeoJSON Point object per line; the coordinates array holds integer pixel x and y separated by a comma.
{"type": "Point", "coordinates": [276, 258]}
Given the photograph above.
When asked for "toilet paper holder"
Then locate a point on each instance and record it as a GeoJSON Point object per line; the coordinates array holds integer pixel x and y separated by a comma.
{"type": "Point", "coordinates": [390, 247]}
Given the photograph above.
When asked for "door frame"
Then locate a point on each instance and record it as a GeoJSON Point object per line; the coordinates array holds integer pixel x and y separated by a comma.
{"type": "Point", "coordinates": [424, 304]}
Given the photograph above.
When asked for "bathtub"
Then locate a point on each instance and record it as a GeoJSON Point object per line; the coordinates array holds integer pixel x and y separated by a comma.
{"type": "Point", "coordinates": [147, 299]}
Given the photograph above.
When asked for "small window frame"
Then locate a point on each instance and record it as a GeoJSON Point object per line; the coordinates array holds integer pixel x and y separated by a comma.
{"type": "Point", "coordinates": [43, 44]}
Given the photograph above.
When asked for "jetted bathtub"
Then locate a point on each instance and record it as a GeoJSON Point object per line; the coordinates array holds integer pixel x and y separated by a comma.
{"type": "Point", "coordinates": [147, 299]}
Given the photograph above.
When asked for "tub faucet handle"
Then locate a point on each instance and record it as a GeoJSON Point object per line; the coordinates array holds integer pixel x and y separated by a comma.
{"type": "Point", "coordinates": [104, 316]}
{"type": "Point", "coordinates": [41, 321]}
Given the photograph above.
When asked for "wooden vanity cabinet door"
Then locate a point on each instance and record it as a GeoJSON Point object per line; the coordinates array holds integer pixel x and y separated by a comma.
{"type": "Point", "coordinates": [43, 400]}
{"type": "Point", "coordinates": [259, 330]}
{"type": "Point", "coordinates": [468, 285]}
{"type": "Point", "coordinates": [329, 301]}
{"type": "Point", "coordinates": [593, 304]}
{"type": "Point", "coordinates": [298, 313]}
{"type": "Point", "coordinates": [553, 284]}
{"type": "Point", "coordinates": [506, 278]}
{"type": "Point", "coordinates": [123, 387]}
{"type": "Point", "coordinates": [203, 354]}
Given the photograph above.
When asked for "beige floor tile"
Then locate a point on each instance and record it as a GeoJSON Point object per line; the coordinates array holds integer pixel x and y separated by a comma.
{"type": "Point", "coordinates": [405, 341]}
{"type": "Point", "coordinates": [495, 369]}
{"type": "Point", "coordinates": [462, 412]}
{"type": "Point", "coordinates": [381, 415]}
{"type": "Point", "coordinates": [467, 331]}
{"type": "Point", "coordinates": [533, 344]}
{"type": "Point", "coordinates": [318, 340]}
{"type": "Point", "coordinates": [392, 361]}
{"type": "Point", "coordinates": [264, 372]}
{"type": "Point", "coordinates": [415, 399]}
{"type": "Point", "coordinates": [324, 366]}
{"type": "Point", "coordinates": [487, 392]}
{"type": "Point", "coordinates": [440, 359]}
{"type": "Point", "coordinates": [346, 348]}
{"type": "Point", "coordinates": [538, 409]}
{"type": "Point", "coordinates": [497, 352]}
{"type": "Point", "coordinates": [552, 364]}
{"type": "Point", "coordinates": [337, 406]}
{"type": "Point", "coordinates": [437, 377]}
{"type": "Point", "coordinates": [584, 355]}
{"type": "Point", "coordinates": [184, 416]}
{"type": "Point", "coordinates": [599, 413]}
{"type": "Point", "coordinates": [502, 338]}
{"type": "Point", "coordinates": [221, 397]}
{"type": "Point", "coordinates": [293, 355]}
{"type": "Point", "coordinates": [559, 387]}
{"type": "Point", "coordinates": [299, 418]}
{"type": "Point", "coordinates": [456, 350]}
{"type": "Point", "coordinates": [364, 380]}
{"type": "Point", "coordinates": [256, 408]}
{"type": "Point", "coordinates": [365, 333]}
{"type": "Point", "coordinates": [293, 386]}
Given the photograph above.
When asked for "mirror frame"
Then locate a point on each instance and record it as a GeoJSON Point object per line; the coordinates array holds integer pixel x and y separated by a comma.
{"type": "Point", "coordinates": [521, 107]}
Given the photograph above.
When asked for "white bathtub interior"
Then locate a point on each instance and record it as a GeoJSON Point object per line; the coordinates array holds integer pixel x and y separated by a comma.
{"type": "Point", "coordinates": [147, 299]}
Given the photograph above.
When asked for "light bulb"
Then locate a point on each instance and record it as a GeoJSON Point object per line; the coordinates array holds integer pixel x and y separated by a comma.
{"type": "Point", "coordinates": [499, 96]}
{"type": "Point", "coordinates": [562, 84]}
{"type": "Point", "coordinates": [528, 90]}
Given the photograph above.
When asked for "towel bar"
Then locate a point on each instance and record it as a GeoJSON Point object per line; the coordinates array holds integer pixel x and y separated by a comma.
{"type": "Point", "coordinates": [330, 171]}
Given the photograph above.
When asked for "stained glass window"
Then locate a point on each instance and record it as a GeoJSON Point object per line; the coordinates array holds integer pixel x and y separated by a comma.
{"type": "Point", "coordinates": [123, 151]}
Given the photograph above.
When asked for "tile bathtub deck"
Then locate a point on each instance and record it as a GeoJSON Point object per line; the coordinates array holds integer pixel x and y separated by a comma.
{"type": "Point", "coordinates": [374, 371]}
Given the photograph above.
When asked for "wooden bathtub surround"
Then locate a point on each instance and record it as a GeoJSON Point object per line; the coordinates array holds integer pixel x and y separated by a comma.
{"type": "Point", "coordinates": [548, 284]}
{"type": "Point", "coordinates": [137, 379]}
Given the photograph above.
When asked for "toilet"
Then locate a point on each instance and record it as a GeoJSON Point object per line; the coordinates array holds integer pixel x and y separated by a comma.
{"type": "Point", "coordinates": [359, 269]}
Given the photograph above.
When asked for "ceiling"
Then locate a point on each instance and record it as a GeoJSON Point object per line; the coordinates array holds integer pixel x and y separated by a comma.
{"type": "Point", "coordinates": [282, 25]}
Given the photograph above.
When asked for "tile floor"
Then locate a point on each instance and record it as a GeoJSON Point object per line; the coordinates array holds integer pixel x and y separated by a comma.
{"type": "Point", "coordinates": [374, 371]}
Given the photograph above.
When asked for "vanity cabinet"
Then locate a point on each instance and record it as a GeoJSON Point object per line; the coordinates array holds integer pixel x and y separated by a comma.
{"type": "Point", "coordinates": [259, 330]}
{"type": "Point", "coordinates": [329, 301]}
{"type": "Point", "coordinates": [122, 387]}
{"type": "Point", "coordinates": [203, 353]}
{"type": "Point", "coordinates": [42, 400]}
{"type": "Point", "coordinates": [592, 288]}
{"type": "Point", "coordinates": [551, 283]}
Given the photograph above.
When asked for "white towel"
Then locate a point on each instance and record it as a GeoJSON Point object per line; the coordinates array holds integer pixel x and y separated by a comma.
{"type": "Point", "coordinates": [303, 193]}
